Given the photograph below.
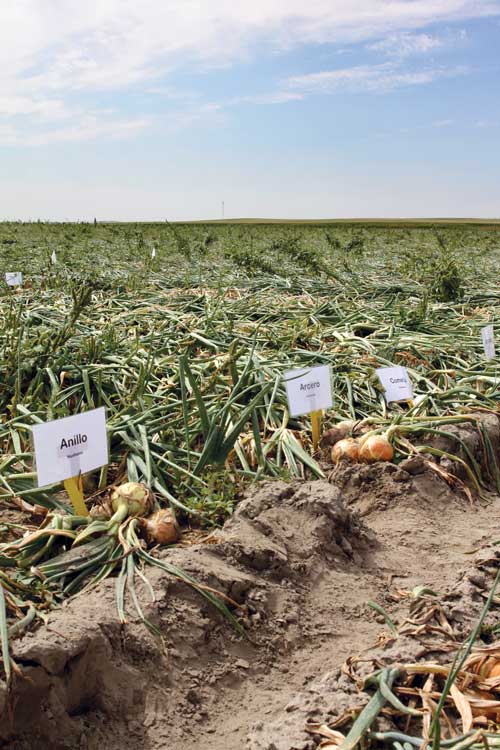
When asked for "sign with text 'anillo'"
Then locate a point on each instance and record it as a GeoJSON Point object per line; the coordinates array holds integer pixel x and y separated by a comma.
{"type": "Point", "coordinates": [308, 390]}
{"type": "Point", "coordinates": [396, 383]}
{"type": "Point", "coordinates": [14, 278]}
{"type": "Point", "coordinates": [488, 337]}
{"type": "Point", "coordinates": [70, 446]}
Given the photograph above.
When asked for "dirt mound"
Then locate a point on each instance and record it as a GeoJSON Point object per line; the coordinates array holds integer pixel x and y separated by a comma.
{"type": "Point", "coordinates": [89, 682]}
{"type": "Point", "coordinates": [460, 467]}
{"type": "Point", "coordinates": [285, 528]}
{"type": "Point", "coordinates": [415, 484]}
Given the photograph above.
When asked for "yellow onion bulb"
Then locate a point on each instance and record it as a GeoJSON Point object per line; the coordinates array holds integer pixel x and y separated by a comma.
{"type": "Point", "coordinates": [134, 496]}
{"type": "Point", "coordinates": [375, 448]}
{"type": "Point", "coordinates": [345, 449]}
{"type": "Point", "coordinates": [162, 527]}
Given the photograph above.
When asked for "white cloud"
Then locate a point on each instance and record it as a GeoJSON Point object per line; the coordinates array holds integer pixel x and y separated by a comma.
{"type": "Point", "coordinates": [371, 78]}
{"type": "Point", "coordinates": [12, 106]}
{"type": "Point", "coordinates": [54, 51]}
{"type": "Point", "coordinates": [86, 128]}
{"type": "Point", "coordinates": [405, 44]}
{"type": "Point", "coordinates": [276, 97]}
{"type": "Point", "coordinates": [486, 124]}
{"type": "Point", "coordinates": [112, 43]}
{"type": "Point", "coordinates": [442, 123]}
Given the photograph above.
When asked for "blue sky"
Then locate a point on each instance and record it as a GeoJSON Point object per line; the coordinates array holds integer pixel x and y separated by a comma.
{"type": "Point", "coordinates": [279, 108]}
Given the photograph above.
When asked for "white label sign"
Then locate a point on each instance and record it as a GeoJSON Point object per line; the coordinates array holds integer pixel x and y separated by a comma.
{"type": "Point", "coordinates": [153, 253]}
{"type": "Point", "coordinates": [14, 278]}
{"type": "Point", "coordinates": [488, 338]}
{"type": "Point", "coordinates": [309, 389]}
{"type": "Point", "coordinates": [68, 446]}
{"type": "Point", "coordinates": [53, 258]}
{"type": "Point", "coordinates": [396, 383]}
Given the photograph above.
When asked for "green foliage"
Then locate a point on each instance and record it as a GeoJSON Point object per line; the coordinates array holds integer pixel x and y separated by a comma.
{"type": "Point", "coordinates": [301, 254]}
{"type": "Point", "coordinates": [412, 314]}
{"type": "Point", "coordinates": [217, 500]}
{"type": "Point", "coordinates": [440, 270]}
{"type": "Point", "coordinates": [333, 241]}
{"type": "Point", "coordinates": [355, 247]}
{"type": "Point", "coordinates": [447, 281]}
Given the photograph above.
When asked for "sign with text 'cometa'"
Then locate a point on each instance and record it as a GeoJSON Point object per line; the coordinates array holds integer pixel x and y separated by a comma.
{"type": "Point", "coordinates": [70, 446]}
{"type": "Point", "coordinates": [14, 278]}
{"type": "Point", "coordinates": [396, 383]}
{"type": "Point", "coordinates": [308, 390]}
{"type": "Point", "coordinates": [488, 337]}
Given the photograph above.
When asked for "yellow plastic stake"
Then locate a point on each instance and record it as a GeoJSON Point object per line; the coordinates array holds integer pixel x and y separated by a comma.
{"type": "Point", "coordinates": [74, 488]}
{"type": "Point", "coordinates": [316, 427]}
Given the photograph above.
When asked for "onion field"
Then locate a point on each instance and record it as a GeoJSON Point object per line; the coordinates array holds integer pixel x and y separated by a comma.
{"type": "Point", "coordinates": [183, 332]}
{"type": "Point", "coordinates": [187, 350]}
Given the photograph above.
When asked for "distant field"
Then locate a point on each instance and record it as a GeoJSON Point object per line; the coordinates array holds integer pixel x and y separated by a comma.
{"type": "Point", "coordinates": [365, 222]}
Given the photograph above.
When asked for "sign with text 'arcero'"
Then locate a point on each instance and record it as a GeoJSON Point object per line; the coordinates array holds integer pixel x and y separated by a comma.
{"type": "Point", "coordinates": [309, 389]}
{"type": "Point", "coordinates": [396, 383]}
{"type": "Point", "coordinates": [67, 447]}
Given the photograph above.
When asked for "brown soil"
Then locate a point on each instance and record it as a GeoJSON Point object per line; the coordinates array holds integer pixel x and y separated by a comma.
{"type": "Point", "coordinates": [303, 559]}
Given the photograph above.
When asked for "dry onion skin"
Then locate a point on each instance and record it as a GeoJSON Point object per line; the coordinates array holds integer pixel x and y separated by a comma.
{"type": "Point", "coordinates": [161, 527]}
{"type": "Point", "coordinates": [375, 448]}
{"type": "Point", "coordinates": [345, 450]}
{"type": "Point", "coordinates": [491, 668]}
{"type": "Point", "coordinates": [346, 426]}
{"type": "Point", "coordinates": [338, 432]}
{"type": "Point", "coordinates": [134, 496]}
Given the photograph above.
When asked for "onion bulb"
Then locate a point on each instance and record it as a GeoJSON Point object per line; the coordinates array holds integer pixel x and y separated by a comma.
{"type": "Point", "coordinates": [161, 527]}
{"type": "Point", "coordinates": [338, 432]}
{"type": "Point", "coordinates": [375, 448]}
{"type": "Point", "coordinates": [135, 497]}
{"type": "Point", "coordinates": [348, 448]}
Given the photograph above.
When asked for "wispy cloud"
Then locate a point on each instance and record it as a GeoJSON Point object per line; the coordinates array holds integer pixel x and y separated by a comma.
{"type": "Point", "coordinates": [405, 44]}
{"type": "Point", "coordinates": [486, 124]}
{"type": "Point", "coordinates": [380, 78]}
{"type": "Point", "coordinates": [84, 129]}
{"type": "Point", "coordinates": [51, 109]}
{"type": "Point", "coordinates": [442, 123]}
{"type": "Point", "coordinates": [54, 52]}
{"type": "Point", "coordinates": [276, 97]}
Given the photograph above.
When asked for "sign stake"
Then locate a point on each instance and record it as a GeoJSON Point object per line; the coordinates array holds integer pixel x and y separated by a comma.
{"type": "Point", "coordinates": [74, 488]}
{"type": "Point", "coordinates": [316, 417]}
{"type": "Point", "coordinates": [309, 391]}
